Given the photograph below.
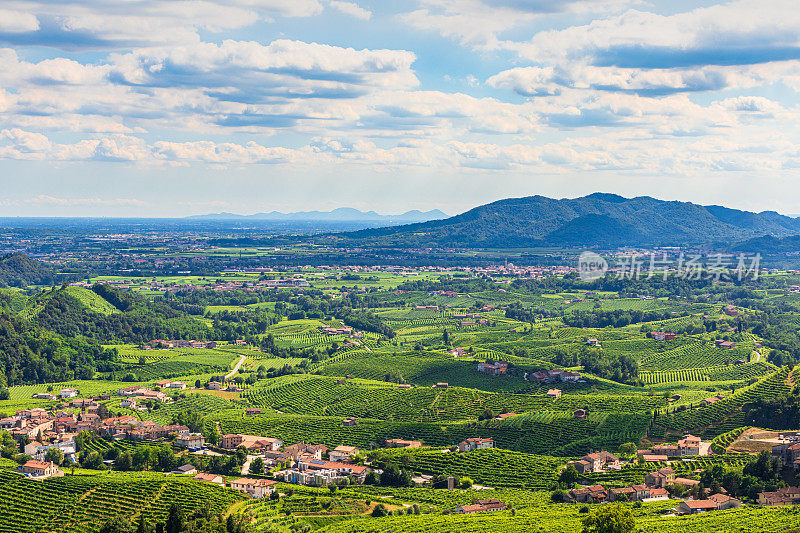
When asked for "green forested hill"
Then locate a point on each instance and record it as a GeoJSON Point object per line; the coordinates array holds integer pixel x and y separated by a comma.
{"type": "Point", "coordinates": [19, 270]}
{"type": "Point", "coordinates": [597, 219]}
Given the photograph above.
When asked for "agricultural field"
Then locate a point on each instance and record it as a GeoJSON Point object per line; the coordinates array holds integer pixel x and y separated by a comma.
{"type": "Point", "coordinates": [409, 370]}
{"type": "Point", "coordinates": [79, 503]}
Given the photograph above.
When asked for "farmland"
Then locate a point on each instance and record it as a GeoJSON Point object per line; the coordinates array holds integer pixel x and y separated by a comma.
{"type": "Point", "coordinates": [403, 361]}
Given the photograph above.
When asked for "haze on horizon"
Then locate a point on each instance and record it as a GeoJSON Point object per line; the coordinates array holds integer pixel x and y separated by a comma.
{"type": "Point", "coordinates": [174, 108]}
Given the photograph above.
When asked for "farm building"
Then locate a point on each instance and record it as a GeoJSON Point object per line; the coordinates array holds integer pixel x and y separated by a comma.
{"type": "Point", "coordinates": [475, 443]}
{"type": "Point", "coordinates": [400, 443]}
{"type": "Point", "coordinates": [481, 506]}
{"type": "Point", "coordinates": [256, 488]}
{"type": "Point", "coordinates": [210, 478]}
{"type": "Point", "coordinates": [493, 369]}
{"type": "Point", "coordinates": [40, 469]}
{"type": "Point", "coordinates": [342, 453]}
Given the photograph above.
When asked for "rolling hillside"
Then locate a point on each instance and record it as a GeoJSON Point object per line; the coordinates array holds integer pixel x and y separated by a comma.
{"type": "Point", "coordinates": [598, 219]}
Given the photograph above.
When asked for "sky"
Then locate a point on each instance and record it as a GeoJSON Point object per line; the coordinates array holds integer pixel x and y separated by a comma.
{"type": "Point", "coordinates": [178, 107]}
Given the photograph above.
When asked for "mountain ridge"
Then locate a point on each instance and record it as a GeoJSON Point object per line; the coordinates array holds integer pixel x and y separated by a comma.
{"type": "Point", "coordinates": [338, 214]}
{"type": "Point", "coordinates": [598, 219]}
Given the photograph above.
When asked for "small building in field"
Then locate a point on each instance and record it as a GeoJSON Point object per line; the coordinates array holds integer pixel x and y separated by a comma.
{"type": "Point", "coordinates": [44, 396]}
{"type": "Point", "coordinates": [256, 488]}
{"type": "Point", "coordinates": [475, 443]}
{"type": "Point", "coordinates": [400, 443]}
{"type": "Point", "coordinates": [579, 413]}
{"type": "Point", "coordinates": [481, 506]}
{"type": "Point", "coordinates": [554, 393]}
{"type": "Point", "coordinates": [68, 393]}
{"type": "Point", "coordinates": [252, 411]}
{"type": "Point", "coordinates": [724, 501]}
{"type": "Point", "coordinates": [696, 506]}
{"type": "Point", "coordinates": [40, 469]}
{"type": "Point", "coordinates": [210, 478]}
{"type": "Point", "coordinates": [350, 421]}
{"type": "Point", "coordinates": [663, 336]}
{"type": "Point", "coordinates": [493, 369]}
{"type": "Point", "coordinates": [188, 470]}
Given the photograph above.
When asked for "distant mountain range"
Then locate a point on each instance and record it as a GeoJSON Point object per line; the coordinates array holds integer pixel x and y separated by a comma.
{"type": "Point", "coordinates": [342, 214]}
{"type": "Point", "coordinates": [599, 219]}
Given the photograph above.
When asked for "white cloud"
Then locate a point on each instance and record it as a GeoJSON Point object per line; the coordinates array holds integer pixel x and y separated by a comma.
{"type": "Point", "coordinates": [47, 200]}
{"type": "Point", "coordinates": [283, 8]}
{"type": "Point", "coordinates": [99, 24]}
{"type": "Point", "coordinates": [351, 8]}
{"type": "Point", "coordinates": [478, 23]}
{"type": "Point", "coordinates": [18, 144]}
{"type": "Point", "coordinates": [17, 21]}
{"type": "Point", "coordinates": [741, 32]}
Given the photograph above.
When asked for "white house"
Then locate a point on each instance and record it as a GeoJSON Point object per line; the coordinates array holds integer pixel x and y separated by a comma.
{"type": "Point", "coordinates": [69, 393]}
{"type": "Point", "coordinates": [342, 453]}
{"type": "Point", "coordinates": [192, 440]}
{"type": "Point", "coordinates": [257, 488]}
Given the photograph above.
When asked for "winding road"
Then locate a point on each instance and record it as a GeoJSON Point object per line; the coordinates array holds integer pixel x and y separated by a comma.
{"type": "Point", "coordinates": [236, 368]}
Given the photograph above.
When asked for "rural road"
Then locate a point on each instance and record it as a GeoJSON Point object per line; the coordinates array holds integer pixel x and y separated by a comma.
{"type": "Point", "coordinates": [236, 368]}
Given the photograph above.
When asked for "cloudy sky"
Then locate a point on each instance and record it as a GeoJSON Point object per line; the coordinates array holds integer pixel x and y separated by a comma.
{"type": "Point", "coordinates": [171, 107]}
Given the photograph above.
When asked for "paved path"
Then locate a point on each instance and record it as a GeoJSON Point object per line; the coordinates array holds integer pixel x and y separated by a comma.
{"type": "Point", "coordinates": [236, 368]}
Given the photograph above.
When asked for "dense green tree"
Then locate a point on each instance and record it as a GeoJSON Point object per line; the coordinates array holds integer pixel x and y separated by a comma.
{"type": "Point", "coordinates": [612, 518]}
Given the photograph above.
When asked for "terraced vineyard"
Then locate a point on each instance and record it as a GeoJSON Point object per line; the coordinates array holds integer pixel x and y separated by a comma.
{"type": "Point", "coordinates": [343, 398]}
{"type": "Point", "coordinates": [713, 373]}
{"type": "Point", "coordinates": [494, 467]}
{"type": "Point", "coordinates": [531, 437]}
{"type": "Point", "coordinates": [718, 413]}
{"type": "Point", "coordinates": [694, 355]}
{"type": "Point", "coordinates": [83, 503]}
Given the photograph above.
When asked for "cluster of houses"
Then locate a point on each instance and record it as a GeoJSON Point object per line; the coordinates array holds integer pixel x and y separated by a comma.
{"type": "Point", "coordinates": [331, 331]}
{"type": "Point", "coordinates": [656, 482]}
{"type": "Point", "coordinates": [449, 294]}
{"type": "Point", "coordinates": [42, 430]}
{"type": "Point", "coordinates": [39, 424]}
{"type": "Point", "coordinates": [782, 496]}
{"type": "Point", "coordinates": [140, 392]}
{"type": "Point", "coordinates": [180, 343]}
{"type": "Point", "coordinates": [788, 451]}
{"type": "Point", "coordinates": [493, 369]}
{"type": "Point", "coordinates": [727, 345]}
{"type": "Point", "coordinates": [597, 462]}
{"type": "Point", "coordinates": [689, 445]}
{"type": "Point", "coordinates": [63, 394]}
{"type": "Point", "coordinates": [301, 463]}
{"type": "Point", "coordinates": [654, 488]}
{"type": "Point", "coordinates": [155, 285]}
{"type": "Point", "coordinates": [558, 374]}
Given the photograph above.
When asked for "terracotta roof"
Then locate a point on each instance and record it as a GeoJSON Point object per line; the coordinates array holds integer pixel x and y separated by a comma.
{"type": "Point", "coordinates": [700, 504]}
